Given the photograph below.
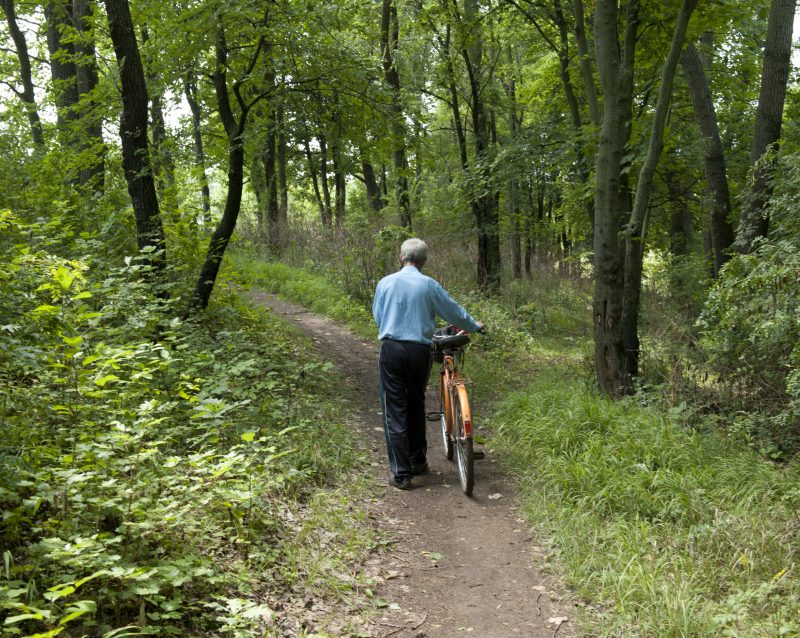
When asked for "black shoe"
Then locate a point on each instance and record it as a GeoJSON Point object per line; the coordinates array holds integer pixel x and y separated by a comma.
{"type": "Point", "coordinates": [422, 468]}
{"type": "Point", "coordinates": [402, 483]}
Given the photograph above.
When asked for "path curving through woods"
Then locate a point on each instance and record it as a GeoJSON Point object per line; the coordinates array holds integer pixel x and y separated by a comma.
{"type": "Point", "coordinates": [459, 566]}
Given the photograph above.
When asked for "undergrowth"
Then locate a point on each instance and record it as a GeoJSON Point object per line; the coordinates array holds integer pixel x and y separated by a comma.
{"type": "Point", "coordinates": [663, 526]}
{"type": "Point", "coordinates": [161, 476]}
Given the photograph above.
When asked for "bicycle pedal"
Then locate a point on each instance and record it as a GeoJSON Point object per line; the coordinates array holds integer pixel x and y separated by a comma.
{"type": "Point", "coordinates": [433, 416]}
{"type": "Point", "coordinates": [478, 454]}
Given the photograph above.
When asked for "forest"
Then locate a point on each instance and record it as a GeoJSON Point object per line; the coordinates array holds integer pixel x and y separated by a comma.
{"type": "Point", "coordinates": [612, 186]}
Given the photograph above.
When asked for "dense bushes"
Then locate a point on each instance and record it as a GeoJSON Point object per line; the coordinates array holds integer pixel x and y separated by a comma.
{"type": "Point", "coordinates": [148, 463]}
{"type": "Point", "coordinates": [751, 324]}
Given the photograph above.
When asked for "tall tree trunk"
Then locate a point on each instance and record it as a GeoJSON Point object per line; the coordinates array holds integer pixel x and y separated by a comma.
{"type": "Point", "coordinates": [615, 67]}
{"type": "Point", "coordinates": [636, 228]}
{"type": "Point", "coordinates": [133, 133]}
{"type": "Point", "coordinates": [234, 130]}
{"type": "Point", "coordinates": [718, 199]}
{"type": "Point", "coordinates": [190, 91]}
{"type": "Point", "coordinates": [754, 220]}
{"type": "Point", "coordinates": [58, 14]}
{"type": "Point", "coordinates": [390, 33]}
{"type": "Point", "coordinates": [91, 136]}
{"type": "Point", "coordinates": [26, 77]}
{"type": "Point", "coordinates": [484, 203]}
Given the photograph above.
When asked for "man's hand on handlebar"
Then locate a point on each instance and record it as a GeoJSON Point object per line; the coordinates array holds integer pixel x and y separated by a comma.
{"type": "Point", "coordinates": [481, 329]}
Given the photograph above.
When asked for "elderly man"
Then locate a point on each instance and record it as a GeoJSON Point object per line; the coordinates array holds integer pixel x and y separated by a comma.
{"type": "Point", "coordinates": [405, 308]}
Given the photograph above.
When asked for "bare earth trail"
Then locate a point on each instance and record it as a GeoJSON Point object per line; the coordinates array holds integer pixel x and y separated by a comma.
{"type": "Point", "coordinates": [459, 565]}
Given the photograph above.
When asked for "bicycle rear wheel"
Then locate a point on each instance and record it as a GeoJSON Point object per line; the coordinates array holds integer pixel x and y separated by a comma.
{"type": "Point", "coordinates": [465, 457]}
{"type": "Point", "coordinates": [447, 440]}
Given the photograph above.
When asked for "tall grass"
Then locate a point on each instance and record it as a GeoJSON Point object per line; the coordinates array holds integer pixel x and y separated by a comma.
{"type": "Point", "coordinates": [667, 531]}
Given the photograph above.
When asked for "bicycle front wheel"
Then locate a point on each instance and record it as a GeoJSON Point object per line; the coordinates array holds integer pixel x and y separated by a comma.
{"type": "Point", "coordinates": [447, 440]}
{"type": "Point", "coordinates": [465, 457]}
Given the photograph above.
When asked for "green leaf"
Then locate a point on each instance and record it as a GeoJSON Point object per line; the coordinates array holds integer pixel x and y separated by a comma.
{"type": "Point", "coordinates": [73, 341]}
{"type": "Point", "coordinates": [102, 381]}
{"type": "Point", "coordinates": [248, 436]}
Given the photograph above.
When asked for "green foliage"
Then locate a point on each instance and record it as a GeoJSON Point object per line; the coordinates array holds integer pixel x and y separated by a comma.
{"type": "Point", "coordinates": [751, 323]}
{"type": "Point", "coordinates": [151, 466]}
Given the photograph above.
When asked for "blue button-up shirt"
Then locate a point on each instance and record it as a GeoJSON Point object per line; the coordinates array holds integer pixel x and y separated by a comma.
{"type": "Point", "coordinates": [406, 304]}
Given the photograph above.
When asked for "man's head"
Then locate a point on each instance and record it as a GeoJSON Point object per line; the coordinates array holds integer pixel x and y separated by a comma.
{"type": "Point", "coordinates": [414, 252]}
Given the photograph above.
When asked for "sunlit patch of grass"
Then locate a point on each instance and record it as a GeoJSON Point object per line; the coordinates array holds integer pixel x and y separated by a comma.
{"type": "Point", "coordinates": [310, 290]}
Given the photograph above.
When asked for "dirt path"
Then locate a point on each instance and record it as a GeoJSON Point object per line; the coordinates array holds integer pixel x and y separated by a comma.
{"type": "Point", "coordinates": [459, 565]}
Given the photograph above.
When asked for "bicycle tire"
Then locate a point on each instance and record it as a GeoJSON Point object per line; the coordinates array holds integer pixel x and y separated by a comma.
{"type": "Point", "coordinates": [447, 441]}
{"type": "Point", "coordinates": [465, 457]}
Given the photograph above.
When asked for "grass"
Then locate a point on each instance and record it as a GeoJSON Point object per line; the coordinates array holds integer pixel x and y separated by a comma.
{"type": "Point", "coordinates": [661, 526]}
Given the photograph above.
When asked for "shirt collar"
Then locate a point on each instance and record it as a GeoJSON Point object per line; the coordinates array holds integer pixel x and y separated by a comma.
{"type": "Point", "coordinates": [406, 268]}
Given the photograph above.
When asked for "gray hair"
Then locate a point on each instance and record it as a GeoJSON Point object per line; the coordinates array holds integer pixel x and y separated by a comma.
{"type": "Point", "coordinates": [414, 250]}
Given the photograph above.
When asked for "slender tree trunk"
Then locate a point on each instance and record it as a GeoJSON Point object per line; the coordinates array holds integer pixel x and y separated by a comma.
{"type": "Point", "coordinates": [512, 194]}
{"type": "Point", "coordinates": [190, 91]}
{"type": "Point", "coordinates": [718, 199]}
{"type": "Point", "coordinates": [133, 133]}
{"type": "Point", "coordinates": [312, 170]}
{"type": "Point", "coordinates": [585, 63]}
{"type": "Point", "coordinates": [258, 178]}
{"type": "Point", "coordinates": [26, 77]}
{"type": "Point", "coordinates": [327, 215]}
{"type": "Point", "coordinates": [234, 130]}
{"type": "Point", "coordinates": [339, 184]}
{"type": "Point", "coordinates": [274, 230]}
{"type": "Point", "coordinates": [754, 220]}
{"type": "Point", "coordinates": [283, 190]}
{"type": "Point", "coordinates": [390, 33]}
{"type": "Point", "coordinates": [636, 233]}
{"type": "Point", "coordinates": [163, 164]}
{"type": "Point", "coordinates": [91, 135]}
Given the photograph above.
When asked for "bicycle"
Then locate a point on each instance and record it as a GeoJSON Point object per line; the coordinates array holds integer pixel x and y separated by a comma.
{"type": "Point", "coordinates": [455, 414]}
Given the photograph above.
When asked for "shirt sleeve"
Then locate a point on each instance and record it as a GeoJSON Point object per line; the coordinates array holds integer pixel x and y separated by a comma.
{"type": "Point", "coordinates": [446, 307]}
{"type": "Point", "coordinates": [377, 305]}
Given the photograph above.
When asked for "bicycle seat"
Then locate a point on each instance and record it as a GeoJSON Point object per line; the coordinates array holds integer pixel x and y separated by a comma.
{"type": "Point", "coordinates": [443, 340]}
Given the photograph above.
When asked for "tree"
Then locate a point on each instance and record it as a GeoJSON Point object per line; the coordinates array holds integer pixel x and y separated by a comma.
{"type": "Point", "coordinates": [133, 133]}
{"type": "Point", "coordinates": [92, 170]}
{"type": "Point", "coordinates": [26, 77]}
{"type": "Point", "coordinates": [234, 125]}
{"type": "Point", "coordinates": [718, 199]}
{"type": "Point", "coordinates": [754, 219]}
{"type": "Point", "coordinates": [390, 34]}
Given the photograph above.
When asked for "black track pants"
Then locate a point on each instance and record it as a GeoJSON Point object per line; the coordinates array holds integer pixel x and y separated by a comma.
{"type": "Point", "coordinates": [404, 370]}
